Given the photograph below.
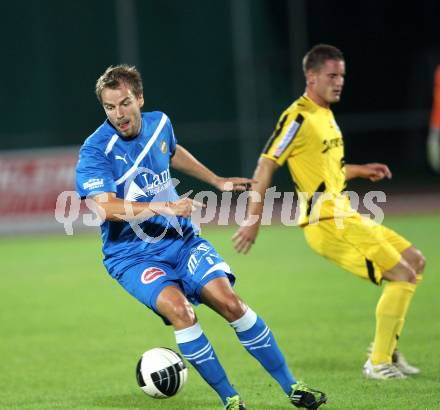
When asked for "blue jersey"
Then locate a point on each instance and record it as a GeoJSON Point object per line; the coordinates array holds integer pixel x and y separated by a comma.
{"type": "Point", "coordinates": [136, 170]}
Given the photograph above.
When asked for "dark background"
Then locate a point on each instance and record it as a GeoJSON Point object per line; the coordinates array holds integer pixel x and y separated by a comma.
{"type": "Point", "coordinates": [223, 71]}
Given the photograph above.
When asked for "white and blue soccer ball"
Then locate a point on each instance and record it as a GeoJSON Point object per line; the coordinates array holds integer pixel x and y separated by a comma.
{"type": "Point", "coordinates": [161, 373]}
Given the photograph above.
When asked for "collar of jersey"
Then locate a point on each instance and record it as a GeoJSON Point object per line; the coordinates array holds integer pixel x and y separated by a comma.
{"type": "Point", "coordinates": [312, 103]}
{"type": "Point", "coordinates": [127, 139]}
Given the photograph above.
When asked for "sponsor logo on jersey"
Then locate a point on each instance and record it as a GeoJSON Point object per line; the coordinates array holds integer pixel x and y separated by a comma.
{"type": "Point", "coordinates": [158, 187]}
{"type": "Point", "coordinates": [148, 184]}
{"type": "Point", "coordinates": [122, 158]}
{"type": "Point", "coordinates": [332, 143]}
{"type": "Point", "coordinates": [163, 147]}
{"type": "Point", "coordinates": [153, 180]}
{"type": "Point", "coordinates": [155, 183]}
{"type": "Point", "coordinates": [151, 274]}
{"type": "Point", "coordinates": [94, 183]}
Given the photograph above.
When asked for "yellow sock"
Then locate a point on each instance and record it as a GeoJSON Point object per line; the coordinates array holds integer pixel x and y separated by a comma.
{"type": "Point", "coordinates": [419, 278]}
{"type": "Point", "coordinates": [390, 316]}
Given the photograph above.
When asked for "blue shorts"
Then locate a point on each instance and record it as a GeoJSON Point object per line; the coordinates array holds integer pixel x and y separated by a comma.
{"type": "Point", "coordinates": [196, 264]}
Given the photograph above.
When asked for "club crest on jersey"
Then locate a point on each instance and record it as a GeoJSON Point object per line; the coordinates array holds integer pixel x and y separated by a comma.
{"type": "Point", "coordinates": [163, 147]}
{"type": "Point", "coordinates": [151, 274]}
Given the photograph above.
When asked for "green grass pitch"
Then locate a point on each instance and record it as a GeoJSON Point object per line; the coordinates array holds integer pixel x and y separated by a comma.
{"type": "Point", "coordinates": [70, 337]}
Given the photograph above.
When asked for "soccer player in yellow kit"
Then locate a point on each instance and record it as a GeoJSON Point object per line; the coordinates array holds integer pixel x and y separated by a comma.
{"type": "Point", "coordinates": [309, 140]}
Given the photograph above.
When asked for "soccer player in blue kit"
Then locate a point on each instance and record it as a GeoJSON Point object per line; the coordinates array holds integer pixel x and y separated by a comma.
{"type": "Point", "coordinates": [150, 245]}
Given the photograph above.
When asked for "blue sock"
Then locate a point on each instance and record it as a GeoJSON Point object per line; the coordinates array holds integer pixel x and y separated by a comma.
{"type": "Point", "coordinates": [196, 348]}
{"type": "Point", "coordinates": [259, 341]}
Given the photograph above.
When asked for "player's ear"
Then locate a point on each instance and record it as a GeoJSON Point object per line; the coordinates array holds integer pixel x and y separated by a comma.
{"type": "Point", "coordinates": [141, 100]}
{"type": "Point", "coordinates": [311, 77]}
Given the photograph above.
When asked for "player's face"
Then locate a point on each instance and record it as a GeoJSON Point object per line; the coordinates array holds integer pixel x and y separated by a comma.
{"type": "Point", "coordinates": [326, 84]}
{"type": "Point", "coordinates": [123, 109]}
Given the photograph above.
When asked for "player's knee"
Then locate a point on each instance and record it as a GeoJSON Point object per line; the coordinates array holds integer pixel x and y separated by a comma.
{"type": "Point", "coordinates": [420, 262]}
{"type": "Point", "coordinates": [402, 272]}
{"type": "Point", "coordinates": [182, 314]}
{"type": "Point", "coordinates": [232, 308]}
{"type": "Point", "coordinates": [411, 275]}
{"type": "Point", "coordinates": [415, 258]}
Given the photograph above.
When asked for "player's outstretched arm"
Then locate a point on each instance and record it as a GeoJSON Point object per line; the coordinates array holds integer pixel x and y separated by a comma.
{"type": "Point", "coordinates": [111, 208]}
{"type": "Point", "coordinates": [245, 236]}
{"type": "Point", "coordinates": [185, 162]}
{"type": "Point", "coordinates": [374, 171]}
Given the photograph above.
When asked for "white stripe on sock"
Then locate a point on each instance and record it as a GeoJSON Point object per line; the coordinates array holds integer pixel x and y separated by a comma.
{"type": "Point", "coordinates": [189, 334]}
{"type": "Point", "coordinates": [245, 322]}
{"type": "Point", "coordinates": [205, 349]}
{"type": "Point", "coordinates": [256, 339]}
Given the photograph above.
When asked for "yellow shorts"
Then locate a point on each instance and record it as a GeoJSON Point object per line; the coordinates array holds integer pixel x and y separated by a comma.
{"type": "Point", "coordinates": [358, 245]}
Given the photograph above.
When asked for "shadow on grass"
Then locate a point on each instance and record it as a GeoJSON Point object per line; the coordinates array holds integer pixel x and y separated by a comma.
{"type": "Point", "coordinates": [134, 401]}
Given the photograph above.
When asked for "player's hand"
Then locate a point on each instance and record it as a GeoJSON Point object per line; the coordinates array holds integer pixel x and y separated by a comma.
{"type": "Point", "coordinates": [182, 207]}
{"type": "Point", "coordinates": [234, 184]}
{"type": "Point", "coordinates": [376, 171]}
{"type": "Point", "coordinates": [245, 237]}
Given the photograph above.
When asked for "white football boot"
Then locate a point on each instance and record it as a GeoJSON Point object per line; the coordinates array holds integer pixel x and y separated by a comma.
{"type": "Point", "coordinates": [384, 371]}
{"type": "Point", "coordinates": [400, 362]}
{"type": "Point", "coordinates": [398, 359]}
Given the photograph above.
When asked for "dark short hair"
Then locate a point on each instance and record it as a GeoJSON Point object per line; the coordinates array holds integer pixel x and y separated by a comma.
{"type": "Point", "coordinates": [319, 54]}
{"type": "Point", "coordinates": [113, 77]}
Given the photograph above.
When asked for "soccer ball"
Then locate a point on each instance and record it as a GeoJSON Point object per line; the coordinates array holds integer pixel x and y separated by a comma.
{"type": "Point", "coordinates": [161, 373]}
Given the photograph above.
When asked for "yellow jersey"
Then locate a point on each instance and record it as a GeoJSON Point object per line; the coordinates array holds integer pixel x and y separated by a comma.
{"type": "Point", "coordinates": [308, 138]}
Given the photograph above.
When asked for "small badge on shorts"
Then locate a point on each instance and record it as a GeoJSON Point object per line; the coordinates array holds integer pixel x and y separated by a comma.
{"type": "Point", "coordinates": [151, 274]}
